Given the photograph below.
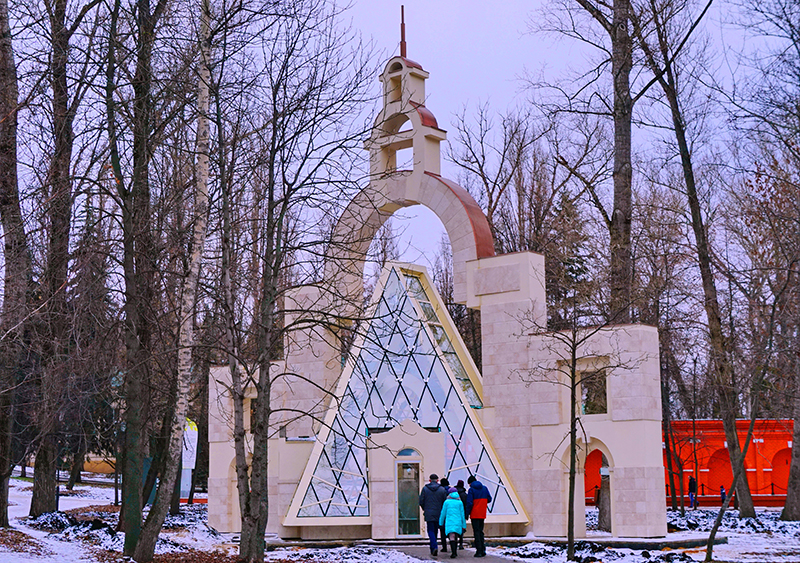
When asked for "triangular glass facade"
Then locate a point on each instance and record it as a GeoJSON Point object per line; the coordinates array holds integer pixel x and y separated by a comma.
{"type": "Point", "coordinates": [400, 374]}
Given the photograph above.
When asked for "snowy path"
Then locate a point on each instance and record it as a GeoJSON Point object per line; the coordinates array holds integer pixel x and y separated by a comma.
{"type": "Point", "coordinates": [766, 541]}
{"type": "Point", "coordinates": [53, 550]}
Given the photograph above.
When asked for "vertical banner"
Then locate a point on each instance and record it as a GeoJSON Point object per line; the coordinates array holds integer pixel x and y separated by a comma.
{"type": "Point", "coordinates": [190, 435]}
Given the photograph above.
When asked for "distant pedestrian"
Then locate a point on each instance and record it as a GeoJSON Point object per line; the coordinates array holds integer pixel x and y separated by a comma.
{"type": "Point", "coordinates": [692, 493]}
{"type": "Point", "coordinates": [431, 499]}
{"type": "Point", "coordinates": [462, 494]}
{"type": "Point", "coordinates": [478, 499]}
{"type": "Point", "coordinates": [452, 520]}
{"type": "Point", "coordinates": [722, 493]}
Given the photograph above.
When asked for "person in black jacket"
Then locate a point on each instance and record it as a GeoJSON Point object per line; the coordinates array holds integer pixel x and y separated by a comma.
{"type": "Point", "coordinates": [462, 493]}
{"type": "Point", "coordinates": [431, 499]}
{"type": "Point", "coordinates": [446, 484]}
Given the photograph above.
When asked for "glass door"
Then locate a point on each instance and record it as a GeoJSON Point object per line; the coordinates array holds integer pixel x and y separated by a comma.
{"type": "Point", "coordinates": [408, 520]}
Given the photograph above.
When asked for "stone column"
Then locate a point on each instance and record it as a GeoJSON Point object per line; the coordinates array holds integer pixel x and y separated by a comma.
{"type": "Point", "coordinates": [509, 291]}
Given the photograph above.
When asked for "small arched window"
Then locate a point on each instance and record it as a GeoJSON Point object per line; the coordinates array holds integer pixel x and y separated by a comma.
{"type": "Point", "coordinates": [408, 452]}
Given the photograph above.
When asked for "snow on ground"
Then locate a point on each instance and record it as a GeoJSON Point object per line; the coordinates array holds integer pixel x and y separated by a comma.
{"type": "Point", "coordinates": [46, 547]}
{"type": "Point", "coordinates": [62, 538]}
{"type": "Point", "coordinates": [360, 554]}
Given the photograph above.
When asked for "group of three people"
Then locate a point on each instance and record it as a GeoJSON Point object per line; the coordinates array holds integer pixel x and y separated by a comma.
{"type": "Point", "coordinates": [448, 508]}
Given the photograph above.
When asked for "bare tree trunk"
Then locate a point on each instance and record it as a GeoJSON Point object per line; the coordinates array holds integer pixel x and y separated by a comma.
{"type": "Point", "coordinates": [621, 63]}
{"type": "Point", "coordinates": [738, 470]}
{"type": "Point", "coordinates": [791, 510]}
{"type": "Point", "coordinates": [666, 431]}
{"type": "Point", "coordinates": [138, 254]}
{"type": "Point", "coordinates": [231, 340]}
{"type": "Point", "coordinates": [59, 212]}
{"type": "Point", "coordinates": [77, 464]}
{"type": "Point", "coordinates": [724, 374]}
{"type": "Point", "coordinates": [44, 474]}
{"type": "Point", "coordinates": [17, 265]}
{"type": "Point", "coordinates": [159, 451]}
{"type": "Point", "coordinates": [670, 470]}
{"type": "Point", "coordinates": [145, 549]}
{"type": "Point", "coordinates": [175, 499]}
{"type": "Point", "coordinates": [573, 452]}
{"type": "Point", "coordinates": [620, 277]}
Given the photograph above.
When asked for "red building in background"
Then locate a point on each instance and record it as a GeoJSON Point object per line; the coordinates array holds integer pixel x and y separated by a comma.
{"type": "Point", "coordinates": [767, 461]}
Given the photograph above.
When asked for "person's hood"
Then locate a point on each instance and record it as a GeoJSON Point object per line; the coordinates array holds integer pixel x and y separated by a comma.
{"type": "Point", "coordinates": [433, 486]}
{"type": "Point", "coordinates": [476, 485]}
{"type": "Point", "coordinates": [454, 495]}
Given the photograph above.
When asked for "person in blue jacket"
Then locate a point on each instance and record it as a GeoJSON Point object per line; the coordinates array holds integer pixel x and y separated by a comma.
{"type": "Point", "coordinates": [452, 518]}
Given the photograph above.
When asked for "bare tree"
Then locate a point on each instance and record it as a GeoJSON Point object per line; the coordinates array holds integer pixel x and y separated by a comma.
{"type": "Point", "coordinates": [614, 21]}
{"type": "Point", "coordinates": [66, 96]}
{"type": "Point", "coordinates": [661, 52]}
{"type": "Point", "coordinates": [767, 105]}
{"type": "Point", "coordinates": [764, 222]}
{"type": "Point", "coordinates": [295, 152]}
{"type": "Point", "coordinates": [16, 254]}
{"type": "Point", "coordinates": [491, 165]}
{"type": "Point", "coordinates": [145, 548]}
{"type": "Point", "coordinates": [133, 194]}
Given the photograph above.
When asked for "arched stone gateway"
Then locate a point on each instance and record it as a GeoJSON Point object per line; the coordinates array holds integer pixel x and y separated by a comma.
{"type": "Point", "coordinates": [408, 385]}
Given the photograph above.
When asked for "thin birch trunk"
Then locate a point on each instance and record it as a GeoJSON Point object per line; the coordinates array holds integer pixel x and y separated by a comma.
{"type": "Point", "coordinates": [145, 548]}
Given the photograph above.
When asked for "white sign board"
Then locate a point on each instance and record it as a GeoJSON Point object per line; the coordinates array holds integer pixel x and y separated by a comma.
{"type": "Point", "coordinates": [190, 444]}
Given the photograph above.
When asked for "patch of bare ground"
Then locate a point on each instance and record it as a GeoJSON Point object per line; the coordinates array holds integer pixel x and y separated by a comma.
{"type": "Point", "coordinates": [90, 512]}
{"type": "Point", "coordinates": [20, 542]}
{"type": "Point", "coordinates": [77, 493]}
{"type": "Point", "coordinates": [189, 556]}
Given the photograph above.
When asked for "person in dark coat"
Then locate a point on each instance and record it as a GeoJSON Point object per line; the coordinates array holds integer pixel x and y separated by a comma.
{"type": "Point", "coordinates": [462, 494]}
{"type": "Point", "coordinates": [446, 484]}
{"type": "Point", "coordinates": [431, 499]}
{"type": "Point", "coordinates": [478, 499]}
{"type": "Point", "coordinates": [692, 492]}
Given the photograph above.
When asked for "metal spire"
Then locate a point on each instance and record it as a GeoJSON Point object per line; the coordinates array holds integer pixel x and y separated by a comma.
{"type": "Point", "coordinates": [402, 32]}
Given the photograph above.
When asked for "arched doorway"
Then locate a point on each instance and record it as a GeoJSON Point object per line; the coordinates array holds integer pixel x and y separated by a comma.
{"type": "Point", "coordinates": [719, 473]}
{"type": "Point", "coordinates": [597, 487]}
{"type": "Point", "coordinates": [780, 471]}
{"type": "Point", "coordinates": [591, 475]}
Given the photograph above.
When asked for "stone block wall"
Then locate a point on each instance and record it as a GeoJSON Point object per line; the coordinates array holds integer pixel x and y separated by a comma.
{"type": "Point", "coordinates": [638, 502]}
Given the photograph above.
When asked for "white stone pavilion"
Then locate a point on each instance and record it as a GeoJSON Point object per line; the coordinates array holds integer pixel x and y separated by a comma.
{"type": "Point", "coordinates": [409, 401]}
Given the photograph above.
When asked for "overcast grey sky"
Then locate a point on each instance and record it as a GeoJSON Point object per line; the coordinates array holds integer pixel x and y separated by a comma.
{"type": "Point", "coordinates": [473, 50]}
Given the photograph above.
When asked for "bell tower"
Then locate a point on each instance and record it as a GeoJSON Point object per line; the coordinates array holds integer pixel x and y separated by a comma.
{"type": "Point", "coordinates": [404, 101]}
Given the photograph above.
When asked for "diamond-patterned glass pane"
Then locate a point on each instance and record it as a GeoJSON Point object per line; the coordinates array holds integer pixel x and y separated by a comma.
{"type": "Point", "coordinates": [400, 374]}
